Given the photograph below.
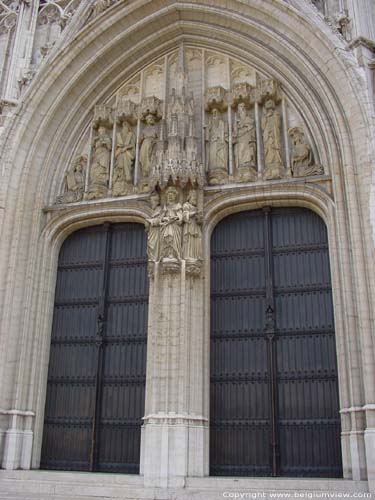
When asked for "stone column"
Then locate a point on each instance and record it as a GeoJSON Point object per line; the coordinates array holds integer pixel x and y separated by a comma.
{"type": "Point", "coordinates": [174, 433]}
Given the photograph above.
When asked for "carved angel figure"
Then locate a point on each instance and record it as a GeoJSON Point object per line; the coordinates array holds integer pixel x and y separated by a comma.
{"type": "Point", "coordinates": [153, 228]}
{"type": "Point", "coordinates": [271, 125]}
{"type": "Point", "coordinates": [217, 139]}
{"type": "Point", "coordinates": [101, 159]}
{"type": "Point", "coordinates": [148, 141]}
{"type": "Point", "coordinates": [171, 226]}
{"type": "Point", "coordinates": [245, 144]}
{"type": "Point", "coordinates": [124, 160]}
{"type": "Point", "coordinates": [192, 231]}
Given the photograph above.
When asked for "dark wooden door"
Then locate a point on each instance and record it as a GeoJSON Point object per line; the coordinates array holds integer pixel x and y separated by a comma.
{"type": "Point", "coordinates": [96, 379]}
{"type": "Point", "coordinates": [274, 396]}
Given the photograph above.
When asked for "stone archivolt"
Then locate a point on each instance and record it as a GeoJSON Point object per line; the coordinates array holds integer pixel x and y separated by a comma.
{"type": "Point", "coordinates": [180, 123]}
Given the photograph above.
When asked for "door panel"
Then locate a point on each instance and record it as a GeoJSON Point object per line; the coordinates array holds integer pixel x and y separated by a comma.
{"type": "Point", "coordinates": [95, 395]}
{"type": "Point", "coordinates": [274, 393]}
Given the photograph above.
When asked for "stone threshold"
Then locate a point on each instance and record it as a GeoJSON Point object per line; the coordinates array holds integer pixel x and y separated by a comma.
{"type": "Point", "coordinates": [50, 485]}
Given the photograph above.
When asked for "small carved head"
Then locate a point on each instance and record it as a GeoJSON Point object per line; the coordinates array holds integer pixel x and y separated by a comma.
{"type": "Point", "coordinates": [192, 197]}
{"type": "Point", "coordinates": [242, 109]}
{"type": "Point", "coordinates": [269, 105]}
{"type": "Point", "coordinates": [150, 119]}
{"type": "Point", "coordinates": [102, 130]}
{"type": "Point", "coordinates": [297, 135]}
{"type": "Point", "coordinates": [172, 195]}
{"type": "Point", "coordinates": [215, 113]}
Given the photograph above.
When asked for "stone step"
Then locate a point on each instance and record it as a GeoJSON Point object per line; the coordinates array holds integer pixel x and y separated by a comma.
{"type": "Point", "coordinates": [43, 485]}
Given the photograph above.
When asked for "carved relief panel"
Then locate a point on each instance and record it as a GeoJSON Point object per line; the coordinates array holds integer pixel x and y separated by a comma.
{"type": "Point", "coordinates": [195, 116]}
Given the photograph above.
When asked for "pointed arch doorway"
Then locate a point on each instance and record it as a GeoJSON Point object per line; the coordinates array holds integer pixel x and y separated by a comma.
{"type": "Point", "coordinates": [274, 408]}
{"type": "Point", "coordinates": [96, 379]}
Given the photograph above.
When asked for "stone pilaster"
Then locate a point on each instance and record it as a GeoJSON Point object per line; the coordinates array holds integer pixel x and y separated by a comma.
{"type": "Point", "coordinates": [173, 436]}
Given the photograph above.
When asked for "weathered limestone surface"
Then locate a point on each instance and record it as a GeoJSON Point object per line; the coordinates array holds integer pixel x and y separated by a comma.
{"type": "Point", "coordinates": [89, 130]}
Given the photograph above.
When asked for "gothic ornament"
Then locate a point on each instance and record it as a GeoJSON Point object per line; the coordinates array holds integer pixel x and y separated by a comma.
{"type": "Point", "coordinates": [302, 160]}
{"type": "Point", "coordinates": [216, 99]}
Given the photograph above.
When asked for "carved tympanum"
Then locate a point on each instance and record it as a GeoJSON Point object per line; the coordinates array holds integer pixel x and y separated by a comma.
{"type": "Point", "coordinates": [217, 149]}
{"type": "Point", "coordinates": [101, 160]}
{"type": "Point", "coordinates": [124, 161]}
{"type": "Point", "coordinates": [302, 160]}
{"type": "Point", "coordinates": [271, 125]}
{"type": "Point", "coordinates": [245, 145]}
{"type": "Point", "coordinates": [74, 181]}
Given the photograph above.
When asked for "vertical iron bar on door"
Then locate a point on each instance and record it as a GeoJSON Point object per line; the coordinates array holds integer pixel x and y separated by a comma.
{"type": "Point", "coordinates": [269, 331]}
{"type": "Point", "coordinates": [100, 333]}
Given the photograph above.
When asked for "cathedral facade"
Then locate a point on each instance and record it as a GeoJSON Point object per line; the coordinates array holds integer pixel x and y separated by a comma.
{"type": "Point", "coordinates": [187, 243]}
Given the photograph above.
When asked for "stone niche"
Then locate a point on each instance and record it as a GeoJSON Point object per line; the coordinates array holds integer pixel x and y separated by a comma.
{"type": "Point", "coordinates": [192, 114]}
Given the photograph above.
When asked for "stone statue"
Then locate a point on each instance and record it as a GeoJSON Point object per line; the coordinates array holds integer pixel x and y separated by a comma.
{"type": "Point", "coordinates": [245, 145]}
{"type": "Point", "coordinates": [101, 160]}
{"type": "Point", "coordinates": [100, 6]}
{"type": "Point", "coordinates": [271, 125]}
{"type": "Point", "coordinates": [74, 181]}
{"type": "Point", "coordinates": [217, 154]}
{"type": "Point", "coordinates": [148, 139]}
{"type": "Point", "coordinates": [171, 226]}
{"type": "Point", "coordinates": [192, 231]}
{"type": "Point", "coordinates": [153, 228]}
{"type": "Point", "coordinates": [302, 159]}
{"type": "Point", "coordinates": [124, 161]}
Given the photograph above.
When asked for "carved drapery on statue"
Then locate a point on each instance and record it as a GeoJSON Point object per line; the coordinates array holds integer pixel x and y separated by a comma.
{"type": "Point", "coordinates": [163, 129]}
{"type": "Point", "coordinates": [271, 125]}
{"type": "Point", "coordinates": [101, 160]}
{"type": "Point", "coordinates": [302, 160]}
{"type": "Point", "coordinates": [74, 181]}
{"type": "Point", "coordinates": [123, 173]}
{"type": "Point", "coordinates": [245, 145]}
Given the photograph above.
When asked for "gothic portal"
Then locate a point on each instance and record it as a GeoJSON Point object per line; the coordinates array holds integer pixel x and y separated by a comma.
{"type": "Point", "coordinates": [187, 214]}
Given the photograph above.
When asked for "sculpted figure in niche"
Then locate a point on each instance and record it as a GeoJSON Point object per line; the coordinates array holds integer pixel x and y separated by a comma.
{"type": "Point", "coordinates": [192, 231]}
{"type": "Point", "coordinates": [245, 145]}
{"type": "Point", "coordinates": [148, 141]}
{"type": "Point", "coordinates": [124, 161]}
{"type": "Point", "coordinates": [302, 161]}
{"type": "Point", "coordinates": [74, 181]}
{"type": "Point", "coordinates": [271, 125]}
{"type": "Point", "coordinates": [101, 160]}
{"type": "Point", "coordinates": [171, 226]}
{"type": "Point", "coordinates": [153, 228]}
{"type": "Point", "coordinates": [217, 139]}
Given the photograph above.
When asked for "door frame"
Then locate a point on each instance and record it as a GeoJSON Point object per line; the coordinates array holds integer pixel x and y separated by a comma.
{"type": "Point", "coordinates": [229, 202]}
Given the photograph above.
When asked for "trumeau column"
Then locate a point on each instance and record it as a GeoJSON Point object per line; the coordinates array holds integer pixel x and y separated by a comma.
{"type": "Point", "coordinates": [175, 426]}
